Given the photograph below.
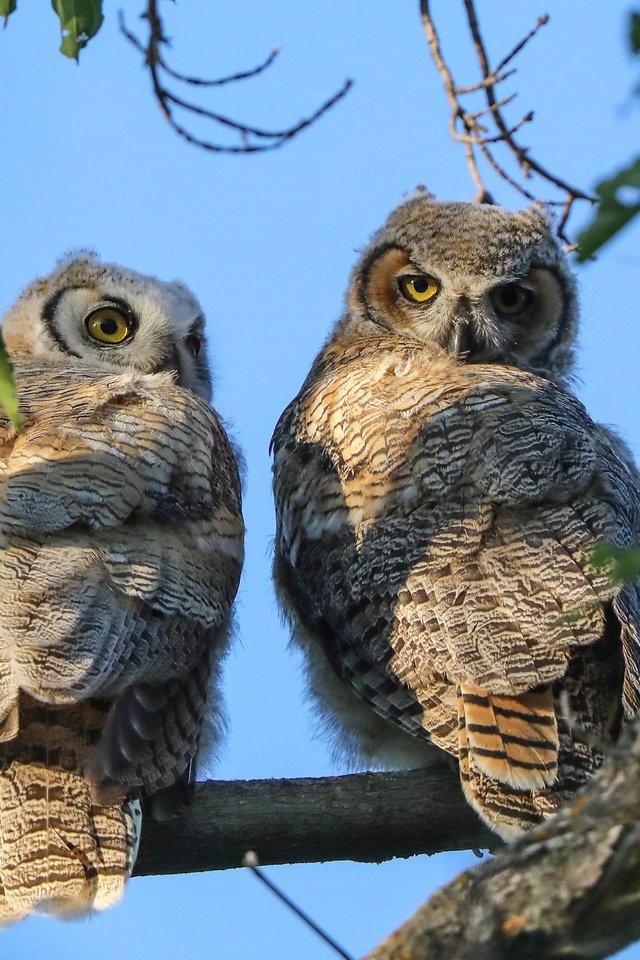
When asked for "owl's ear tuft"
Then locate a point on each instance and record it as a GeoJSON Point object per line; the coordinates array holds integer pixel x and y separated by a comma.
{"type": "Point", "coordinates": [74, 256]}
{"type": "Point", "coordinates": [540, 211]}
{"type": "Point", "coordinates": [421, 193]}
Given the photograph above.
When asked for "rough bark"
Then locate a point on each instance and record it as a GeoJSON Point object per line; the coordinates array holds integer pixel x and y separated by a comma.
{"type": "Point", "coordinates": [367, 817]}
{"type": "Point", "coordinates": [569, 889]}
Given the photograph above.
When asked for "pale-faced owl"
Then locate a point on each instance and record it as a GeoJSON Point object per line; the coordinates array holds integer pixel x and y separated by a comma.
{"type": "Point", "coordinates": [120, 553]}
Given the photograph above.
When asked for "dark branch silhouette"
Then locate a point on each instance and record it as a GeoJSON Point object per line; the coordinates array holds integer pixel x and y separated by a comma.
{"type": "Point", "coordinates": [252, 139]}
{"type": "Point", "coordinates": [486, 128]}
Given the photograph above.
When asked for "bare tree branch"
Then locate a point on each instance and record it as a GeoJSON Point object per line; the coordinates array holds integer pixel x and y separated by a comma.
{"type": "Point", "coordinates": [482, 194]}
{"type": "Point", "coordinates": [366, 817]}
{"type": "Point", "coordinates": [570, 888]}
{"type": "Point", "coordinates": [221, 81]}
{"type": "Point", "coordinates": [464, 125]}
{"type": "Point", "coordinates": [252, 139]}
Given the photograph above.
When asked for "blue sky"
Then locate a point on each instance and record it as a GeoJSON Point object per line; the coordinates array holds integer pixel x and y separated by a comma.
{"type": "Point", "coordinates": [267, 242]}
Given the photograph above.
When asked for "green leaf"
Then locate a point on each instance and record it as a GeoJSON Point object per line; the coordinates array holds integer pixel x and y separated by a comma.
{"type": "Point", "coordinates": [7, 7]}
{"type": "Point", "coordinates": [79, 21]}
{"type": "Point", "coordinates": [619, 204]}
{"type": "Point", "coordinates": [622, 563]}
{"type": "Point", "coordinates": [577, 614]}
{"type": "Point", "coordinates": [8, 395]}
{"type": "Point", "coordinates": [634, 32]}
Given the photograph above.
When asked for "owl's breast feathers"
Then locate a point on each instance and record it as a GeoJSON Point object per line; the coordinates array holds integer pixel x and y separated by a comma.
{"type": "Point", "coordinates": [435, 523]}
{"type": "Point", "coordinates": [121, 534]}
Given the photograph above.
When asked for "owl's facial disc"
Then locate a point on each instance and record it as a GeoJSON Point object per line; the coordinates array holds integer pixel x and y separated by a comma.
{"type": "Point", "coordinates": [471, 317]}
{"type": "Point", "coordinates": [396, 292]}
{"type": "Point", "coordinates": [402, 296]}
{"type": "Point", "coordinates": [108, 315]}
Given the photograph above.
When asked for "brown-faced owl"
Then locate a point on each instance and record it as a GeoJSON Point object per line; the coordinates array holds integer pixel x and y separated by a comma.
{"type": "Point", "coordinates": [439, 495]}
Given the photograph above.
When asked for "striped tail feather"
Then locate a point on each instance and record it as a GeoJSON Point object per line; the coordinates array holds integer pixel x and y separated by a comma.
{"type": "Point", "coordinates": [585, 734]}
{"type": "Point", "coordinates": [587, 703]}
{"type": "Point", "coordinates": [60, 852]}
{"type": "Point", "coordinates": [513, 739]}
{"type": "Point", "coordinates": [504, 808]}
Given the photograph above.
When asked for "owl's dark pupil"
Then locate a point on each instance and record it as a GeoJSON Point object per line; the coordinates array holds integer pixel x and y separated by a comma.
{"type": "Point", "coordinates": [421, 285]}
{"type": "Point", "coordinates": [109, 327]}
{"type": "Point", "coordinates": [511, 296]}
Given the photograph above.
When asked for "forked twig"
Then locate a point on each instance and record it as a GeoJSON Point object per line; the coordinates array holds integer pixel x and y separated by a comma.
{"type": "Point", "coordinates": [252, 139]}
{"type": "Point", "coordinates": [481, 139]}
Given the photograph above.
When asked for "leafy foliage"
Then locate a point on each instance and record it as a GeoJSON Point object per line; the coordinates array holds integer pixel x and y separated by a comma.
{"type": "Point", "coordinates": [8, 395]}
{"type": "Point", "coordinates": [622, 563]}
{"type": "Point", "coordinates": [634, 32]}
{"type": "Point", "coordinates": [7, 7]}
{"type": "Point", "coordinates": [619, 194]}
{"type": "Point", "coordinates": [80, 20]}
{"type": "Point", "coordinates": [619, 203]}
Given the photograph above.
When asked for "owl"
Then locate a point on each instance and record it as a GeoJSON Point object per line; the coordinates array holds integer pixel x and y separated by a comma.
{"type": "Point", "coordinates": [439, 495]}
{"type": "Point", "coordinates": [120, 553]}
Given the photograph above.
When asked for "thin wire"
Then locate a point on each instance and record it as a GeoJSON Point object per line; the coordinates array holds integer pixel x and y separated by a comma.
{"type": "Point", "coordinates": [251, 861]}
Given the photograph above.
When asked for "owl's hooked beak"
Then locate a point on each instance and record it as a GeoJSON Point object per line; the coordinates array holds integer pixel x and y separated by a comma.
{"type": "Point", "coordinates": [462, 339]}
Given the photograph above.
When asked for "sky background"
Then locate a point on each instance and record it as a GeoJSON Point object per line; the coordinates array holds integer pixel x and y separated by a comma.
{"type": "Point", "coordinates": [267, 243]}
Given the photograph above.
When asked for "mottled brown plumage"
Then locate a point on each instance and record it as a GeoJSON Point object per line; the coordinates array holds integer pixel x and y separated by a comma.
{"type": "Point", "coordinates": [121, 549]}
{"type": "Point", "coordinates": [439, 493]}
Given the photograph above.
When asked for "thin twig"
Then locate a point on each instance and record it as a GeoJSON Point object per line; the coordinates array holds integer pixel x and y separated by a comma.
{"type": "Point", "coordinates": [499, 137]}
{"type": "Point", "coordinates": [475, 87]}
{"type": "Point", "coordinates": [221, 81]}
{"type": "Point", "coordinates": [251, 861]}
{"type": "Point", "coordinates": [520, 153]}
{"type": "Point", "coordinates": [285, 134]}
{"type": "Point", "coordinates": [493, 163]}
{"type": "Point", "coordinates": [252, 139]}
{"type": "Point", "coordinates": [450, 90]}
{"type": "Point", "coordinates": [501, 103]}
{"type": "Point", "coordinates": [479, 139]}
{"type": "Point", "coordinates": [542, 21]}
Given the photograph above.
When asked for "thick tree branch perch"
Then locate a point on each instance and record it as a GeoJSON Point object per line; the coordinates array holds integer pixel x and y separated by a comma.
{"type": "Point", "coordinates": [366, 817]}
{"type": "Point", "coordinates": [570, 888]}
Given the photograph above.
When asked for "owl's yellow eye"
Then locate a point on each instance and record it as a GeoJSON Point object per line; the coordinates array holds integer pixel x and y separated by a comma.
{"type": "Point", "coordinates": [108, 325]}
{"type": "Point", "coordinates": [418, 289]}
{"type": "Point", "coordinates": [510, 299]}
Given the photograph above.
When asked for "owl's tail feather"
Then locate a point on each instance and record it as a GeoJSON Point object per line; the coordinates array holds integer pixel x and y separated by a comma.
{"type": "Point", "coordinates": [508, 750]}
{"type": "Point", "coordinates": [584, 735]}
{"type": "Point", "coordinates": [60, 853]}
{"type": "Point", "coordinates": [513, 739]}
{"type": "Point", "coordinates": [504, 808]}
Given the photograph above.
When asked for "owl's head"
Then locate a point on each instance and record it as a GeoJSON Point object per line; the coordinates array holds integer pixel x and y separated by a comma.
{"type": "Point", "coordinates": [481, 283]}
{"type": "Point", "coordinates": [111, 316]}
